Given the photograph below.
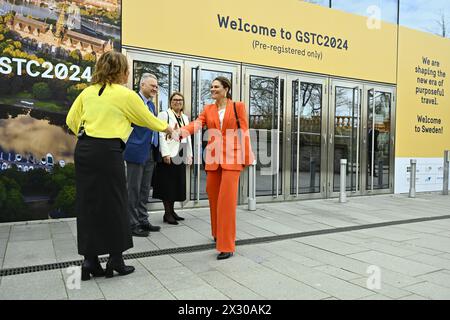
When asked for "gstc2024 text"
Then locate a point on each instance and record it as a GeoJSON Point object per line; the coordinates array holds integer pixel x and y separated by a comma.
{"type": "Point", "coordinates": [46, 70]}
{"type": "Point", "coordinates": [305, 37]}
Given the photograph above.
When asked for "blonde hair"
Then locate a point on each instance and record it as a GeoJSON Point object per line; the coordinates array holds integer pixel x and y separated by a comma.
{"type": "Point", "coordinates": [110, 68]}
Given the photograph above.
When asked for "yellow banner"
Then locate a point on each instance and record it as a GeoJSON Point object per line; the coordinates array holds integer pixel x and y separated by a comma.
{"type": "Point", "coordinates": [423, 89]}
{"type": "Point", "coordinates": [289, 34]}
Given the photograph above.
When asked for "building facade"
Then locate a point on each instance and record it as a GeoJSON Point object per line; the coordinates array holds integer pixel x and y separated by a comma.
{"type": "Point", "coordinates": [321, 81]}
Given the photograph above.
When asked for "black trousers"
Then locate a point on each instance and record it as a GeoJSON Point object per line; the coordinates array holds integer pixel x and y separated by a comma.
{"type": "Point", "coordinates": [101, 199]}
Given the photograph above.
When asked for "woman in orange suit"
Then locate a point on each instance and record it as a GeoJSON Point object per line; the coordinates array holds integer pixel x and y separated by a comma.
{"type": "Point", "coordinates": [227, 153]}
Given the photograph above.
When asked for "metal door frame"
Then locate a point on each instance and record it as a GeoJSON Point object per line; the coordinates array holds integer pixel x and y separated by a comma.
{"type": "Point", "coordinates": [324, 133]}
{"type": "Point", "coordinates": [190, 64]}
{"type": "Point", "coordinates": [248, 71]}
{"type": "Point", "coordinates": [331, 139]}
{"type": "Point", "coordinates": [364, 163]}
{"type": "Point", "coordinates": [141, 56]}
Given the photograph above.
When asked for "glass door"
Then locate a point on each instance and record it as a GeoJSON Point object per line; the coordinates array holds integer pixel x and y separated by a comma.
{"type": "Point", "coordinates": [307, 98]}
{"type": "Point", "coordinates": [344, 136]}
{"type": "Point", "coordinates": [169, 73]}
{"type": "Point", "coordinates": [264, 97]}
{"type": "Point", "coordinates": [199, 77]}
{"type": "Point", "coordinates": [378, 139]}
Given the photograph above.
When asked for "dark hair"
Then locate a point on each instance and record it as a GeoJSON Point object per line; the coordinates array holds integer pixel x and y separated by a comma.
{"type": "Point", "coordinates": [176, 93]}
{"type": "Point", "coordinates": [226, 83]}
{"type": "Point", "coordinates": [110, 68]}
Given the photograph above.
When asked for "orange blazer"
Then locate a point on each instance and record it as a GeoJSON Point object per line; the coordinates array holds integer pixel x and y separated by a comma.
{"type": "Point", "coordinates": [226, 147]}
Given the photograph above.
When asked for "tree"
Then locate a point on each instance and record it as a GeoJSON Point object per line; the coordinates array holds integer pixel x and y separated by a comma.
{"type": "Point", "coordinates": [12, 206]}
{"type": "Point", "coordinates": [3, 195]}
{"type": "Point", "coordinates": [41, 91]}
{"type": "Point", "coordinates": [75, 90]}
{"type": "Point", "coordinates": [66, 200]}
{"type": "Point", "coordinates": [443, 26]}
{"type": "Point", "coordinates": [16, 85]}
{"type": "Point", "coordinates": [89, 57]}
{"type": "Point", "coordinates": [75, 55]}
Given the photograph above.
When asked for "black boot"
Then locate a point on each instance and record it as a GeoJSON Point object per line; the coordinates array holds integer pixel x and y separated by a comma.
{"type": "Point", "coordinates": [174, 214]}
{"type": "Point", "coordinates": [116, 263]}
{"type": "Point", "coordinates": [91, 265]}
{"type": "Point", "coordinates": [168, 217]}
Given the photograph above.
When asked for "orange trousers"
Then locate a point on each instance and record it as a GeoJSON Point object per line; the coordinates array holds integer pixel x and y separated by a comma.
{"type": "Point", "coordinates": [222, 188]}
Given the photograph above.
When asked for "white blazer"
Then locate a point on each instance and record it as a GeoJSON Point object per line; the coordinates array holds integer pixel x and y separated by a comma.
{"type": "Point", "coordinates": [171, 147]}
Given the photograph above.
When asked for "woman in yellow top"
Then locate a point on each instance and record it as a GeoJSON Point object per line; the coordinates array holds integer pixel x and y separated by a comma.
{"type": "Point", "coordinates": [101, 116]}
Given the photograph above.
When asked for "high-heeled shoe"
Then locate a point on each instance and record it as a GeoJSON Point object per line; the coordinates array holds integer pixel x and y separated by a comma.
{"type": "Point", "coordinates": [224, 255]}
{"type": "Point", "coordinates": [177, 217]}
{"type": "Point", "coordinates": [93, 268]}
{"type": "Point", "coordinates": [170, 219]}
{"type": "Point", "coordinates": [118, 265]}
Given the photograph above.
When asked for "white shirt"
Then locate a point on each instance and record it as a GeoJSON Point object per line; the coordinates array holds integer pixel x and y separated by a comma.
{"type": "Point", "coordinates": [221, 115]}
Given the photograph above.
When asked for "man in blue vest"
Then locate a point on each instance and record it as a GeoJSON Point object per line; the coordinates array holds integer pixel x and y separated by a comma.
{"type": "Point", "coordinates": [140, 152]}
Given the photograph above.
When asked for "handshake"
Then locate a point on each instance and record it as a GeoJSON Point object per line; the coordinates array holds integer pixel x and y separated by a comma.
{"type": "Point", "coordinates": [173, 133]}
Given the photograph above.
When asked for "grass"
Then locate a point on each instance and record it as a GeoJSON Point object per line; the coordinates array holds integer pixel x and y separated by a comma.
{"type": "Point", "coordinates": [44, 105]}
{"type": "Point", "coordinates": [48, 105]}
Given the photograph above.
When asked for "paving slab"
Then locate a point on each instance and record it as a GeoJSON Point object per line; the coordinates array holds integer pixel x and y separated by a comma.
{"type": "Point", "coordinates": [205, 292]}
{"type": "Point", "coordinates": [273, 285]}
{"type": "Point", "coordinates": [435, 261]}
{"type": "Point", "coordinates": [228, 286]}
{"type": "Point", "coordinates": [430, 290]}
{"type": "Point", "coordinates": [390, 262]}
{"type": "Point", "coordinates": [29, 253]}
{"type": "Point", "coordinates": [184, 236]}
{"type": "Point", "coordinates": [159, 262]}
{"type": "Point", "coordinates": [385, 289]}
{"type": "Point", "coordinates": [178, 278]}
{"type": "Point", "coordinates": [46, 285]}
{"type": "Point", "coordinates": [83, 290]}
{"type": "Point", "coordinates": [66, 250]}
{"type": "Point", "coordinates": [59, 227]}
{"type": "Point", "coordinates": [440, 278]}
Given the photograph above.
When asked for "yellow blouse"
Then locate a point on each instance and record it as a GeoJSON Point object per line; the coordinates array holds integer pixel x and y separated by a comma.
{"type": "Point", "coordinates": [111, 114]}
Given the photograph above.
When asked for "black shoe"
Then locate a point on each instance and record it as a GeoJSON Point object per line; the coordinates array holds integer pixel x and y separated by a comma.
{"type": "Point", "coordinates": [117, 265]}
{"type": "Point", "coordinates": [91, 267]}
{"type": "Point", "coordinates": [169, 219]}
{"type": "Point", "coordinates": [224, 255]}
{"type": "Point", "coordinates": [177, 217]}
{"type": "Point", "coordinates": [149, 227]}
{"type": "Point", "coordinates": [139, 232]}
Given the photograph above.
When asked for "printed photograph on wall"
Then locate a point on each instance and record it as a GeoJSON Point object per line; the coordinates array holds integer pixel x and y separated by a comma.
{"type": "Point", "coordinates": [48, 50]}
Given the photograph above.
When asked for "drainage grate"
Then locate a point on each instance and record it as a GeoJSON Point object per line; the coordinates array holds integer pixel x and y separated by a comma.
{"type": "Point", "coordinates": [203, 247]}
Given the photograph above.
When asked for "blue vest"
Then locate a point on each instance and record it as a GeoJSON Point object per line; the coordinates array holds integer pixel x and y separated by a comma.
{"type": "Point", "coordinates": [139, 145]}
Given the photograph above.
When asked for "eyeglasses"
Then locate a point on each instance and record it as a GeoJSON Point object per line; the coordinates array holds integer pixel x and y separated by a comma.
{"type": "Point", "coordinates": [177, 100]}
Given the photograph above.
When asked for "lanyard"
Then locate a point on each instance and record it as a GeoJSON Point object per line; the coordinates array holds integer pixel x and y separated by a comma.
{"type": "Point", "coordinates": [181, 124]}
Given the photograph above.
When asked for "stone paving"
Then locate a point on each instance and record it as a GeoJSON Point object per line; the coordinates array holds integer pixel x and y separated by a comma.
{"type": "Point", "coordinates": [411, 259]}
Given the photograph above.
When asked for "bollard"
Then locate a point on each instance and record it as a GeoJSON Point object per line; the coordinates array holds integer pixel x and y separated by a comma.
{"type": "Point", "coordinates": [446, 161]}
{"type": "Point", "coordinates": [343, 187]}
{"type": "Point", "coordinates": [252, 188]}
{"type": "Point", "coordinates": [412, 180]}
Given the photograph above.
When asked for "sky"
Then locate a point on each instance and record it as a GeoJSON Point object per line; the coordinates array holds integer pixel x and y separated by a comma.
{"type": "Point", "coordinates": [416, 14]}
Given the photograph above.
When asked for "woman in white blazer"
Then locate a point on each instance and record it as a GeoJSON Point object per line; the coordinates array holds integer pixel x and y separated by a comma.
{"type": "Point", "coordinates": [169, 177]}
